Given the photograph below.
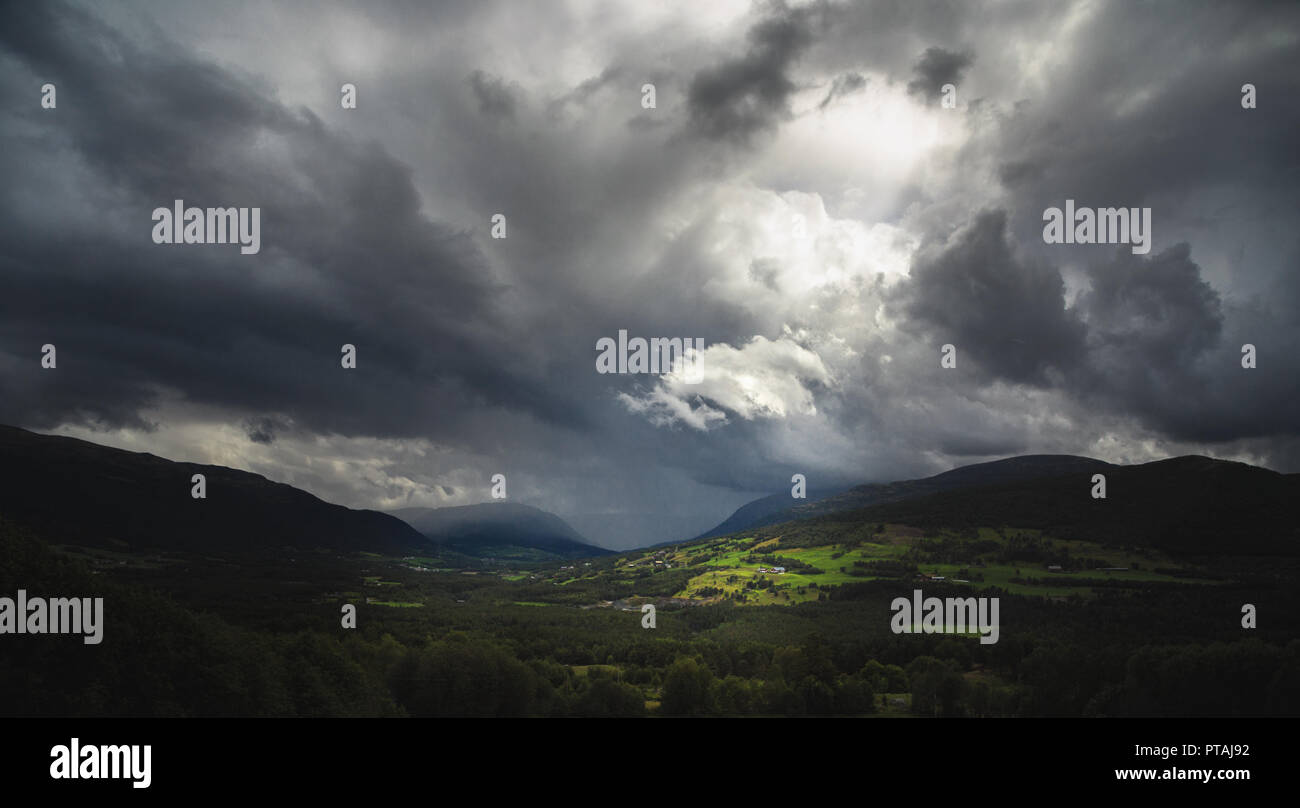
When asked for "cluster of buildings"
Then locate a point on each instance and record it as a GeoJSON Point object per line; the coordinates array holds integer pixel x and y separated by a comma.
{"type": "Point", "coordinates": [658, 560]}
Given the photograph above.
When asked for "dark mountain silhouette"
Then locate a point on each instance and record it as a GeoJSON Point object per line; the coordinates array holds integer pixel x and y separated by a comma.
{"type": "Point", "coordinates": [769, 510]}
{"type": "Point", "coordinates": [1192, 505]}
{"type": "Point", "coordinates": [778, 508]}
{"type": "Point", "coordinates": [499, 529]}
{"type": "Point", "coordinates": [74, 491]}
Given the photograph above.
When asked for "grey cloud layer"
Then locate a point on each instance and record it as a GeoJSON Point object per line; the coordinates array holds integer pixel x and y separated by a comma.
{"type": "Point", "coordinates": [374, 233]}
{"type": "Point", "coordinates": [741, 97]}
{"type": "Point", "coordinates": [936, 68]}
{"type": "Point", "coordinates": [352, 258]}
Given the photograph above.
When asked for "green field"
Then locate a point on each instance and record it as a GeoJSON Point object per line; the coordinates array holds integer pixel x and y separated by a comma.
{"type": "Point", "coordinates": [726, 570]}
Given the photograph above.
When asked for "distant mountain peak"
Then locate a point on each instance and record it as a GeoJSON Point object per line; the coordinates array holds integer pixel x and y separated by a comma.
{"type": "Point", "coordinates": [499, 529]}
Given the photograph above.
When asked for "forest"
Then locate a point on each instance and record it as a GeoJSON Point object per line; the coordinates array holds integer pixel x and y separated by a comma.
{"type": "Point", "coordinates": [178, 641]}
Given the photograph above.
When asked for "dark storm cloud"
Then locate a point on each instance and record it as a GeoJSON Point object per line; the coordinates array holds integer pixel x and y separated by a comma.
{"type": "Point", "coordinates": [1157, 308]}
{"type": "Point", "coordinates": [936, 68]}
{"type": "Point", "coordinates": [1005, 312]}
{"type": "Point", "coordinates": [742, 97]}
{"type": "Point", "coordinates": [977, 444]}
{"type": "Point", "coordinates": [495, 98]}
{"type": "Point", "coordinates": [1151, 322]}
{"type": "Point", "coordinates": [346, 257]}
{"type": "Point", "coordinates": [1148, 338]}
{"type": "Point", "coordinates": [1138, 117]}
{"type": "Point", "coordinates": [1159, 348]}
{"type": "Point", "coordinates": [842, 86]}
{"type": "Point", "coordinates": [1016, 172]}
{"type": "Point", "coordinates": [262, 430]}
{"type": "Point", "coordinates": [585, 90]}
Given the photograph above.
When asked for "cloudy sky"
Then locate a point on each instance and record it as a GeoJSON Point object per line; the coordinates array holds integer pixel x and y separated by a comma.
{"type": "Point", "coordinates": [798, 197]}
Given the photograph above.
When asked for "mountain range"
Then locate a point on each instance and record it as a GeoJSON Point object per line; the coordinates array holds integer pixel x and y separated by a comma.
{"type": "Point", "coordinates": [1189, 504]}
{"type": "Point", "coordinates": [777, 508]}
{"type": "Point", "coordinates": [77, 492]}
{"type": "Point", "coordinates": [503, 530]}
